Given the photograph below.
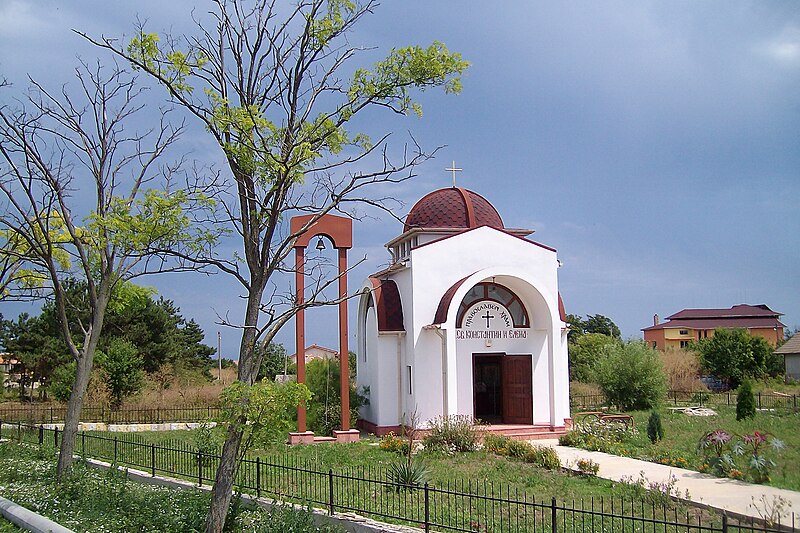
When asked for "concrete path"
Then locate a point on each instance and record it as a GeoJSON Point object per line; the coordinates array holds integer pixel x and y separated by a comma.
{"type": "Point", "coordinates": [734, 496]}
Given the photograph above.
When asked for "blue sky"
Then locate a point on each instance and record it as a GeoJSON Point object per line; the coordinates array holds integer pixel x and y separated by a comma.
{"type": "Point", "coordinates": [654, 144]}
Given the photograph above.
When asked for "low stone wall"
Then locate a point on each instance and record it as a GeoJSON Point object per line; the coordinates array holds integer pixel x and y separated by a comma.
{"type": "Point", "coordinates": [133, 428]}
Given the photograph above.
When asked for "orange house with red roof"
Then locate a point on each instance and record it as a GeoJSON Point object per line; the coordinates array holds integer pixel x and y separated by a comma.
{"type": "Point", "coordinates": [690, 325]}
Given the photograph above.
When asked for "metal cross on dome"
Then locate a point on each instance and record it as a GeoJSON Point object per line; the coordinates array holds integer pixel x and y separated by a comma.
{"type": "Point", "coordinates": [453, 169]}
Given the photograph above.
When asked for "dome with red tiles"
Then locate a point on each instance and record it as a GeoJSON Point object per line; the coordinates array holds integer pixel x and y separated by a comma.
{"type": "Point", "coordinates": [453, 208]}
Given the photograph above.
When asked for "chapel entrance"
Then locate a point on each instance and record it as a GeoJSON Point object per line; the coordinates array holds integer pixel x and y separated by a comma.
{"type": "Point", "coordinates": [502, 388]}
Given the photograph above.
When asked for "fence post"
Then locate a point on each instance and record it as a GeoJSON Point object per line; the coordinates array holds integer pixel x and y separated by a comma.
{"type": "Point", "coordinates": [794, 401]}
{"type": "Point", "coordinates": [724, 522]}
{"type": "Point", "coordinates": [258, 477]}
{"type": "Point", "coordinates": [41, 435]}
{"type": "Point", "coordinates": [330, 491]}
{"type": "Point", "coordinates": [1, 429]}
{"type": "Point", "coordinates": [19, 431]}
{"type": "Point", "coordinates": [51, 415]}
{"type": "Point", "coordinates": [115, 449]}
{"type": "Point", "coordinates": [83, 443]}
{"type": "Point", "coordinates": [153, 459]}
{"type": "Point", "coordinates": [427, 510]}
{"type": "Point", "coordinates": [55, 438]}
{"type": "Point", "coordinates": [759, 400]}
{"type": "Point", "coordinates": [200, 468]}
{"type": "Point", "coordinates": [553, 519]}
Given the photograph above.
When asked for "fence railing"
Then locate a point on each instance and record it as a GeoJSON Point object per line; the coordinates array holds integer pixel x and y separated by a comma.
{"type": "Point", "coordinates": [764, 400]}
{"type": "Point", "coordinates": [40, 415]}
{"type": "Point", "coordinates": [462, 506]}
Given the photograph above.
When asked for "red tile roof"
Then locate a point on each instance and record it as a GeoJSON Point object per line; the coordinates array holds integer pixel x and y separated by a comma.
{"type": "Point", "coordinates": [388, 306]}
{"type": "Point", "coordinates": [738, 316]}
{"type": "Point", "coordinates": [741, 310]}
{"type": "Point", "coordinates": [453, 208]}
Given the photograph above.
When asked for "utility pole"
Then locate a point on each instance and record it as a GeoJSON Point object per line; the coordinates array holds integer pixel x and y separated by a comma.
{"type": "Point", "coordinates": [219, 355]}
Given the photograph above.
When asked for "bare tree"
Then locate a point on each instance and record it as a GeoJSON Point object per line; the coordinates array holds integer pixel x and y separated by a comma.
{"type": "Point", "coordinates": [267, 81]}
{"type": "Point", "coordinates": [83, 196]}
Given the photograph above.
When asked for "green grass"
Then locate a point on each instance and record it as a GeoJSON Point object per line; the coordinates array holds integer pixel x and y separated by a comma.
{"type": "Point", "coordinates": [99, 501]}
{"type": "Point", "coordinates": [8, 527]}
{"type": "Point", "coordinates": [682, 434]}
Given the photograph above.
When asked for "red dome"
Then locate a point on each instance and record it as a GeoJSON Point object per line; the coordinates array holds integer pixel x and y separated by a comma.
{"type": "Point", "coordinates": [453, 208]}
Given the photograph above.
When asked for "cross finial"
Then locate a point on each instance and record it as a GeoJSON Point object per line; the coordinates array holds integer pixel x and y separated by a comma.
{"type": "Point", "coordinates": [453, 169]}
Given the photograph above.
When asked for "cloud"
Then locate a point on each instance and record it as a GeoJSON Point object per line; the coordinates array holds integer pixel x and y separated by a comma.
{"type": "Point", "coordinates": [785, 47]}
{"type": "Point", "coordinates": [19, 19]}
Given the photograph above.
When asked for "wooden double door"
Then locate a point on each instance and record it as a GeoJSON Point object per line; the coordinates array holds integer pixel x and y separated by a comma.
{"type": "Point", "coordinates": [503, 388]}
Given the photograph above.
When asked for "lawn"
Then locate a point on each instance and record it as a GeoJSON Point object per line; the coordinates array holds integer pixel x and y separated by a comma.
{"type": "Point", "coordinates": [682, 434]}
{"type": "Point", "coordinates": [97, 500]}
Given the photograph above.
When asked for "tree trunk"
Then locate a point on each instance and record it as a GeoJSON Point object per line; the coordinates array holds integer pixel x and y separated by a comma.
{"type": "Point", "coordinates": [83, 371]}
{"type": "Point", "coordinates": [222, 492]}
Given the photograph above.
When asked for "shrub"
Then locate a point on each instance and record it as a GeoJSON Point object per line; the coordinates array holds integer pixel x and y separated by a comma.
{"type": "Point", "coordinates": [586, 353]}
{"type": "Point", "coordinates": [631, 376]}
{"type": "Point", "coordinates": [543, 456]}
{"type": "Point", "coordinates": [450, 434]}
{"type": "Point", "coordinates": [392, 443]}
{"type": "Point", "coordinates": [745, 402]}
{"type": "Point", "coordinates": [407, 474]}
{"type": "Point", "coordinates": [324, 411]}
{"type": "Point", "coordinates": [588, 467]}
{"type": "Point", "coordinates": [655, 431]}
{"type": "Point", "coordinates": [598, 436]}
{"type": "Point", "coordinates": [496, 444]}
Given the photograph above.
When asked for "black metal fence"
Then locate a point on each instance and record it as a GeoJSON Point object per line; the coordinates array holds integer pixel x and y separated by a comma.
{"type": "Point", "coordinates": [42, 415]}
{"type": "Point", "coordinates": [462, 506]}
{"type": "Point", "coordinates": [764, 400]}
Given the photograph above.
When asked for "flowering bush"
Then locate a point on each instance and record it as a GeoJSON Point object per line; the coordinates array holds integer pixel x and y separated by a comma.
{"type": "Point", "coordinates": [588, 467]}
{"type": "Point", "coordinates": [392, 443]}
{"type": "Point", "coordinates": [659, 493]}
{"type": "Point", "coordinates": [670, 458]}
{"type": "Point", "coordinates": [599, 436]}
{"type": "Point", "coordinates": [451, 434]}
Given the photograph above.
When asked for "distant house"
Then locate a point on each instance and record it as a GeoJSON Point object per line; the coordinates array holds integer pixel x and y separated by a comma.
{"type": "Point", "coordinates": [316, 352]}
{"type": "Point", "coordinates": [694, 324]}
{"type": "Point", "coordinates": [10, 369]}
{"type": "Point", "coordinates": [791, 354]}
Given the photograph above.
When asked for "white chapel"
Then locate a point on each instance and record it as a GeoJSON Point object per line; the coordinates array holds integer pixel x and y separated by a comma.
{"type": "Point", "coordinates": [466, 320]}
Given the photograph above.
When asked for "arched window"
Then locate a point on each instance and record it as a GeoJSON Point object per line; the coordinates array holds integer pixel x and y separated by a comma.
{"type": "Point", "coordinates": [496, 293]}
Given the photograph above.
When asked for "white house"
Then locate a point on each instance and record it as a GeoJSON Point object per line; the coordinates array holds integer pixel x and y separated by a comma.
{"type": "Point", "coordinates": [316, 352]}
{"type": "Point", "coordinates": [467, 320]}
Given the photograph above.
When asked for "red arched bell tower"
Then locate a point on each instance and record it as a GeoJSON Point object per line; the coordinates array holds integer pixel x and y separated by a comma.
{"type": "Point", "coordinates": [339, 230]}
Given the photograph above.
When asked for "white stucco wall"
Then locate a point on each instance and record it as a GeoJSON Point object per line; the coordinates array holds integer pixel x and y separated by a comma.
{"type": "Point", "coordinates": [527, 269]}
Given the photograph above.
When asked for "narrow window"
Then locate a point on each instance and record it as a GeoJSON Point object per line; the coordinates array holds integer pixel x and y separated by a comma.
{"type": "Point", "coordinates": [408, 377]}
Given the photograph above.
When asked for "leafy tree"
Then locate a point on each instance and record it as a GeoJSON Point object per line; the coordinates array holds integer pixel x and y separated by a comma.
{"type": "Point", "coordinates": [745, 401]}
{"type": "Point", "coordinates": [276, 89]}
{"type": "Point", "coordinates": [601, 324]}
{"type": "Point", "coordinates": [324, 410]}
{"type": "Point", "coordinates": [122, 367]}
{"type": "Point", "coordinates": [36, 343]}
{"type": "Point", "coordinates": [120, 227]}
{"type": "Point", "coordinates": [593, 324]}
{"type": "Point", "coordinates": [585, 355]}
{"type": "Point", "coordinates": [273, 360]}
{"type": "Point", "coordinates": [631, 377]}
{"type": "Point", "coordinates": [577, 328]}
{"type": "Point", "coordinates": [735, 355]}
{"type": "Point", "coordinates": [265, 409]}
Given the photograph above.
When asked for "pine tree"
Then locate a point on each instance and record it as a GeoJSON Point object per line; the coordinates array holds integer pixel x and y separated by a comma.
{"type": "Point", "coordinates": [655, 431]}
{"type": "Point", "coordinates": [745, 402]}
